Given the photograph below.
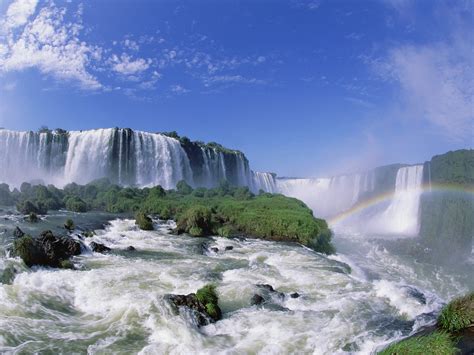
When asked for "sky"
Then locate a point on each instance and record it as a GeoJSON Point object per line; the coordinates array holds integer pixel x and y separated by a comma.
{"type": "Point", "coordinates": [302, 87]}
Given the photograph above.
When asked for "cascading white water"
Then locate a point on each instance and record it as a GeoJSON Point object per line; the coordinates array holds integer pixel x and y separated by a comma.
{"type": "Point", "coordinates": [264, 181]}
{"type": "Point", "coordinates": [125, 156]}
{"type": "Point", "coordinates": [88, 155]}
{"type": "Point", "coordinates": [160, 160]}
{"type": "Point", "coordinates": [333, 196]}
{"type": "Point", "coordinates": [328, 196]}
{"type": "Point", "coordinates": [401, 216]}
{"type": "Point", "coordinates": [28, 156]}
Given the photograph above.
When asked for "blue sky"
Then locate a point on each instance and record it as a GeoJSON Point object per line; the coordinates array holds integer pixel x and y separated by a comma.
{"type": "Point", "coordinates": [303, 87]}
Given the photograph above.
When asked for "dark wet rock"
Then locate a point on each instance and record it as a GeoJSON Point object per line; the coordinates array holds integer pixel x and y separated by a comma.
{"type": "Point", "coordinates": [256, 300]}
{"type": "Point", "coordinates": [415, 293]}
{"type": "Point", "coordinates": [465, 342]}
{"type": "Point", "coordinates": [266, 287]}
{"type": "Point", "coordinates": [295, 295]}
{"type": "Point", "coordinates": [202, 305]}
{"type": "Point", "coordinates": [229, 247]}
{"type": "Point", "coordinates": [46, 250]}
{"type": "Point", "coordinates": [18, 233]}
{"type": "Point", "coordinates": [8, 275]}
{"type": "Point", "coordinates": [99, 248]}
{"type": "Point", "coordinates": [268, 292]}
{"type": "Point", "coordinates": [130, 248]}
{"type": "Point", "coordinates": [215, 250]}
{"type": "Point", "coordinates": [351, 347]}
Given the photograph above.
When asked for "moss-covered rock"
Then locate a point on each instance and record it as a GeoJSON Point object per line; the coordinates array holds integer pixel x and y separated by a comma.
{"type": "Point", "coordinates": [45, 250]}
{"type": "Point", "coordinates": [207, 295]}
{"type": "Point", "coordinates": [143, 221]}
{"type": "Point", "coordinates": [203, 304]}
{"type": "Point", "coordinates": [69, 224]}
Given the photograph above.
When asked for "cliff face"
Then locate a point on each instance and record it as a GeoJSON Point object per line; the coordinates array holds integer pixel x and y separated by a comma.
{"type": "Point", "coordinates": [447, 208]}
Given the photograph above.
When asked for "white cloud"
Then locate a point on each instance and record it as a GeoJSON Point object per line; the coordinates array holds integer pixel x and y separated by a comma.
{"type": "Point", "coordinates": [178, 89]}
{"type": "Point", "coordinates": [18, 13]}
{"type": "Point", "coordinates": [436, 84]}
{"type": "Point", "coordinates": [232, 79]}
{"type": "Point", "coordinates": [52, 46]}
{"type": "Point", "coordinates": [131, 44]}
{"type": "Point", "coordinates": [126, 65]}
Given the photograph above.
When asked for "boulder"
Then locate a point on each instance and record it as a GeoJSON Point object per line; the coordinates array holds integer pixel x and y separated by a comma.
{"type": "Point", "coordinates": [99, 248]}
{"type": "Point", "coordinates": [229, 247]}
{"type": "Point", "coordinates": [130, 248]}
{"type": "Point", "coordinates": [18, 233]}
{"type": "Point", "coordinates": [203, 305]}
{"type": "Point", "coordinates": [46, 250]}
{"type": "Point", "coordinates": [257, 300]}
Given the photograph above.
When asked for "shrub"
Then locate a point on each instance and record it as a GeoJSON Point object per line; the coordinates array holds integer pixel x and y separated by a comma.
{"type": "Point", "coordinates": [69, 224]}
{"type": "Point", "coordinates": [183, 188]}
{"type": "Point", "coordinates": [435, 343]}
{"type": "Point", "coordinates": [24, 248]}
{"type": "Point", "coordinates": [75, 204]}
{"type": "Point", "coordinates": [458, 314]}
{"type": "Point", "coordinates": [196, 220]}
{"type": "Point", "coordinates": [143, 221]}
{"type": "Point", "coordinates": [27, 207]}
{"type": "Point", "coordinates": [32, 217]}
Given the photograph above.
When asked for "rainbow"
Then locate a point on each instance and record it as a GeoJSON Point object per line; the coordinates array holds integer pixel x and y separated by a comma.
{"type": "Point", "coordinates": [374, 201]}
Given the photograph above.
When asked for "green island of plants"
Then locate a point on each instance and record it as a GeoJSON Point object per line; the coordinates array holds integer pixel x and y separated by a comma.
{"type": "Point", "coordinates": [226, 210]}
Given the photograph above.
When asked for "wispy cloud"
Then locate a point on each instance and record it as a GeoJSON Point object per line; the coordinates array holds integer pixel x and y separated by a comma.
{"type": "Point", "coordinates": [53, 40]}
{"type": "Point", "coordinates": [233, 79]}
{"type": "Point", "coordinates": [436, 83]}
{"type": "Point", "coordinates": [178, 89]}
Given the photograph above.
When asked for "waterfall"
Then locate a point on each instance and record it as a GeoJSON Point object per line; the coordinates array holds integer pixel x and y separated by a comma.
{"type": "Point", "coordinates": [328, 196]}
{"type": "Point", "coordinates": [401, 216]}
{"type": "Point", "coordinates": [31, 156]}
{"type": "Point", "coordinates": [124, 156]}
{"type": "Point", "coordinates": [264, 181]}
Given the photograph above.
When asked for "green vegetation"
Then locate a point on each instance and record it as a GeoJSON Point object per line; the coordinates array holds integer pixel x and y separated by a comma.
{"type": "Point", "coordinates": [143, 221]}
{"type": "Point", "coordinates": [455, 317]}
{"type": "Point", "coordinates": [23, 248]}
{"type": "Point", "coordinates": [446, 214]}
{"type": "Point", "coordinates": [226, 210]}
{"type": "Point", "coordinates": [207, 295]}
{"type": "Point", "coordinates": [458, 314]}
{"type": "Point", "coordinates": [75, 204]}
{"type": "Point", "coordinates": [436, 343]}
{"type": "Point", "coordinates": [32, 217]}
{"type": "Point", "coordinates": [69, 224]}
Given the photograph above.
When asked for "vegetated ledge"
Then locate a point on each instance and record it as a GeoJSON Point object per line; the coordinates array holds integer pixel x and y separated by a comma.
{"type": "Point", "coordinates": [225, 211]}
{"type": "Point", "coordinates": [453, 333]}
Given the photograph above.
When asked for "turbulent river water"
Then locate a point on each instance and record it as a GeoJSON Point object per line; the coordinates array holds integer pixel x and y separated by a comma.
{"type": "Point", "coordinates": [114, 303]}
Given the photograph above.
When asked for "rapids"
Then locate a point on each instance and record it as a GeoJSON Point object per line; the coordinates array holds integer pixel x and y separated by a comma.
{"type": "Point", "coordinates": [115, 303]}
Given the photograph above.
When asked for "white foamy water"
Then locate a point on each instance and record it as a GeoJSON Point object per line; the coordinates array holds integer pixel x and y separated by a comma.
{"type": "Point", "coordinates": [115, 303]}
